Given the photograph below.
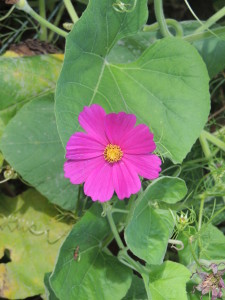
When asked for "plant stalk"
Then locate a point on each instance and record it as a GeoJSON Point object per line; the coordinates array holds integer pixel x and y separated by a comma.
{"type": "Point", "coordinates": [71, 11]}
{"type": "Point", "coordinates": [171, 22]}
{"type": "Point", "coordinates": [212, 20]}
{"type": "Point", "coordinates": [23, 5]}
{"type": "Point", "coordinates": [158, 7]}
{"type": "Point", "coordinates": [213, 139]}
{"type": "Point", "coordinates": [108, 210]}
{"type": "Point", "coordinates": [43, 33]}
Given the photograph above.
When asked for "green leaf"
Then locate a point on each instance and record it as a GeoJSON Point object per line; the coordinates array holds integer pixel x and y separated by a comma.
{"type": "Point", "coordinates": [147, 234]}
{"type": "Point", "coordinates": [168, 281]}
{"type": "Point", "coordinates": [167, 189]}
{"type": "Point", "coordinates": [169, 80]}
{"type": "Point", "coordinates": [211, 48]}
{"type": "Point", "coordinates": [209, 244]}
{"type": "Point", "coordinates": [25, 78]}
{"type": "Point", "coordinates": [149, 229]}
{"type": "Point", "coordinates": [31, 233]}
{"type": "Point", "coordinates": [91, 274]}
{"type": "Point", "coordinates": [136, 290]}
{"type": "Point", "coordinates": [32, 146]}
{"type": "Point", "coordinates": [48, 290]}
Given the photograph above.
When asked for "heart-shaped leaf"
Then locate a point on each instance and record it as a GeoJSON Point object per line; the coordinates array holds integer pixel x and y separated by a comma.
{"type": "Point", "coordinates": [167, 87]}
{"type": "Point", "coordinates": [149, 228]}
{"type": "Point", "coordinates": [168, 281]}
{"type": "Point", "coordinates": [31, 144]}
{"type": "Point", "coordinates": [83, 270]}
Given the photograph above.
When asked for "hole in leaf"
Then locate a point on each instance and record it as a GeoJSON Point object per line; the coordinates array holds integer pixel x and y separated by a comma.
{"type": "Point", "coordinates": [6, 257]}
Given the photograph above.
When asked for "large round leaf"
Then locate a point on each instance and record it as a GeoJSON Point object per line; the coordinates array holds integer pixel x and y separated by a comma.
{"type": "Point", "coordinates": [32, 146]}
{"type": "Point", "coordinates": [167, 87]}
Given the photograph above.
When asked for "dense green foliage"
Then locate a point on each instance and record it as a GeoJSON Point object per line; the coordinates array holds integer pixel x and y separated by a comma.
{"type": "Point", "coordinates": [155, 244]}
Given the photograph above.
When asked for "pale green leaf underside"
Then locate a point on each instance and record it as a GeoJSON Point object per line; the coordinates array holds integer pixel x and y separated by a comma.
{"type": "Point", "coordinates": [23, 79]}
{"type": "Point", "coordinates": [167, 87]}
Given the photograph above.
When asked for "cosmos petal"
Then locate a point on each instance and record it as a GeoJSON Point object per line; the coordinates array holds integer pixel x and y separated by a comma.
{"type": "Point", "coordinates": [78, 171]}
{"type": "Point", "coordinates": [82, 146]}
{"type": "Point", "coordinates": [138, 141]}
{"type": "Point", "coordinates": [92, 120]}
{"type": "Point", "coordinates": [125, 180]}
{"type": "Point", "coordinates": [146, 165]}
{"type": "Point", "coordinates": [118, 125]}
{"type": "Point", "coordinates": [99, 184]}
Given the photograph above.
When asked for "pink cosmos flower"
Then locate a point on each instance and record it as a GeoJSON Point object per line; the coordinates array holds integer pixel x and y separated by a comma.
{"type": "Point", "coordinates": [110, 155]}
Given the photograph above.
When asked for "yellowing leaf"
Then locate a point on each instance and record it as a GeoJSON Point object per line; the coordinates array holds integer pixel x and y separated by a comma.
{"type": "Point", "coordinates": [29, 230]}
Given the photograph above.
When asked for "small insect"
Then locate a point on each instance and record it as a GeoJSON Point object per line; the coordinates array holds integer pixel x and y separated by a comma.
{"type": "Point", "coordinates": [76, 254]}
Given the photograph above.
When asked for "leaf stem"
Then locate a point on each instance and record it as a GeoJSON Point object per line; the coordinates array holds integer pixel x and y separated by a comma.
{"type": "Point", "coordinates": [215, 215]}
{"type": "Point", "coordinates": [127, 260]}
{"type": "Point", "coordinates": [212, 20]}
{"type": "Point", "coordinates": [71, 11]}
{"type": "Point", "coordinates": [8, 13]}
{"type": "Point", "coordinates": [205, 145]}
{"type": "Point", "coordinates": [193, 254]}
{"type": "Point", "coordinates": [5, 180]}
{"type": "Point", "coordinates": [171, 22]}
{"type": "Point", "coordinates": [158, 7]}
{"type": "Point", "coordinates": [176, 242]}
{"type": "Point", "coordinates": [58, 17]}
{"type": "Point", "coordinates": [201, 212]}
{"type": "Point", "coordinates": [203, 35]}
{"type": "Point", "coordinates": [213, 139]}
{"type": "Point", "coordinates": [23, 5]}
{"type": "Point", "coordinates": [122, 211]}
{"type": "Point", "coordinates": [43, 33]}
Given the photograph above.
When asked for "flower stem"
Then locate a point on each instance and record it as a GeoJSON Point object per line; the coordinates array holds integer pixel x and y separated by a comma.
{"type": "Point", "coordinates": [108, 210]}
{"type": "Point", "coordinates": [23, 5]}
{"type": "Point", "coordinates": [43, 34]}
{"type": "Point", "coordinates": [158, 6]}
{"type": "Point", "coordinates": [71, 11]}
{"type": "Point", "coordinates": [212, 20]}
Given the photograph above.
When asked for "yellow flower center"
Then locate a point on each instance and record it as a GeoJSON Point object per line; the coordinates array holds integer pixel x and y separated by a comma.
{"type": "Point", "coordinates": [113, 153]}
